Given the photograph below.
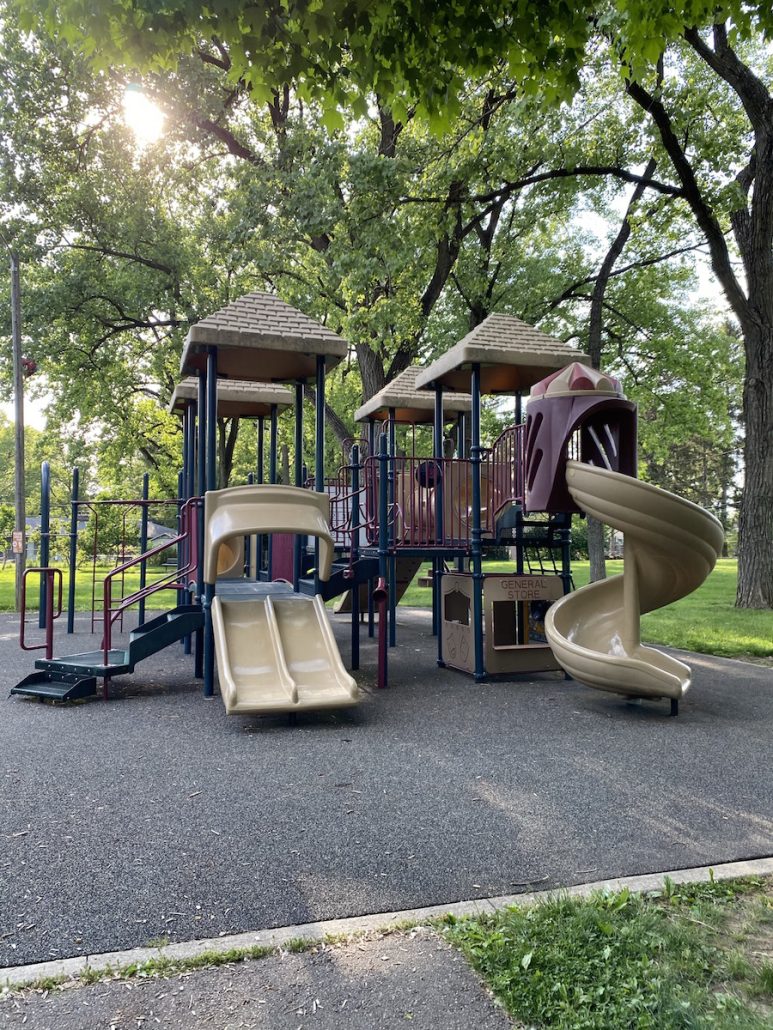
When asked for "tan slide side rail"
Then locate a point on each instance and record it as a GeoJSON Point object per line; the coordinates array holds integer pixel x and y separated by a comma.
{"type": "Point", "coordinates": [250, 510]}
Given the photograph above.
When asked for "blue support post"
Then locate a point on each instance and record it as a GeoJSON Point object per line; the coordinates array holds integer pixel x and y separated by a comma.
{"type": "Point", "coordinates": [392, 555]}
{"type": "Point", "coordinates": [248, 539]}
{"type": "Point", "coordinates": [143, 544]}
{"type": "Point", "coordinates": [182, 494]}
{"type": "Point", "coordinates": [73, 551]}
{"type": "Point", "coordinates": [475, 541]}
{"type": "Point", "coordinates": [355, 549]}
{"type": "Point", "coordinates": [461, 453]}
{"type": "Point", "coordinates": [299, 541]}
{"type": "Point", "coordinates": [181, 546]}
{"type": "Point", "coordinates": [437, 570]}
{"type": "Point", "coordinates": [199, 490]}
{"type": "Point", "coordinates": [319, 450]}
{"type": "Point", "coordinates": [45, 535]}
{"type": "Point", "coordinates": [272, 459]}
{"type": "Point", "coordinates": [260, 543]}
{"type": "Point", "coordinates": [383, 558]}
{"type": "Point", "coordinates": [371, 584]}
{"type": "Point", "coordinates": [211, 481]}
{"type": "Point", "coordinates": [190, 491]}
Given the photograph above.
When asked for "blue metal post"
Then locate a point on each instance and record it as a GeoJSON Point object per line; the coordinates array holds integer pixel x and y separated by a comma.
{"type": "Point", "coordinates": [45, 535]}
{"type": "Point", "coordinates": [299, 540]}
{"type": "Point", "coordinates": [439, 512]}
{"type": "Point", "coordinates": [319, 450]}
{"type": "Point", "coordinates": [211, 482]}
{"type": "Point", "coordinates": [180, 546]}
{"type": "Point", "coordinates": [371, 584]}
{"type": "Point", "coordinates": [190, 491]}
{"type": "Point", "coordinates": [248, 539]}
{"type": "Point", "coordinates": [73, 551]}
{"type": "Point", "coordinates": [475, 540]}
{"type": "Point", "coordinates": [355, 549]}
{"type": "Point", "coordinates": [260, 541]}
{"type": "Point", "coordinates": [200, 487]}
{"type": "Point", "coordinates": [143, 544]}
{"type": "Point", "coordinates": [383, 545]}
{"type": "Point", "coordinates": [392, 556]}
{"type": "Point", "coordinates": [461, 453]}
{"type": "Point", "coordinates": [272, 459]}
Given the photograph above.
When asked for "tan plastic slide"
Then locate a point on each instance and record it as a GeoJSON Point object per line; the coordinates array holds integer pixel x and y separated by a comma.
{"type": "Point", "coordinates": [275, 649]}
{"type": "Point", "coordinates": [278, 654]}
{"type": "Point", "coordinates": [671, 546]}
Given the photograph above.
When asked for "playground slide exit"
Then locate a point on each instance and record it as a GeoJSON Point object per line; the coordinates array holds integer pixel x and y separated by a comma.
{"type": "Point", "coordinates": [278, 654]}
{"type": "Point", "coordinates": [671, 546]}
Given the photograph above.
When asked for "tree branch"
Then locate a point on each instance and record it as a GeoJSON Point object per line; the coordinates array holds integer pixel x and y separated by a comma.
{"type": "Point", "coordinates": [720, 257]}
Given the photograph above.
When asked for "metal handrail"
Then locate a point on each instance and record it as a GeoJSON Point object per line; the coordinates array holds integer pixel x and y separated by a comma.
{"type": "Point", "coordinates": [172, 581]}
{"type": "Point", "coordinates": [50, 574]}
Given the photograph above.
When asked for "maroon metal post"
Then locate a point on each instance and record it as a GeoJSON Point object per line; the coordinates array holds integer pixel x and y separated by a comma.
{"type": "Point", "coordinates": [381, 597]}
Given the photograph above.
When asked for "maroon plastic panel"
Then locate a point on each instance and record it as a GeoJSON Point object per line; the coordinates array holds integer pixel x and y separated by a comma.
{"type": "Point", "coordinates": [596, 429]}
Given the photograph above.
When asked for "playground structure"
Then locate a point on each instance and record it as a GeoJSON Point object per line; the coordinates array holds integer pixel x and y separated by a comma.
{"type": "Point", "coordinates": [251, 584]}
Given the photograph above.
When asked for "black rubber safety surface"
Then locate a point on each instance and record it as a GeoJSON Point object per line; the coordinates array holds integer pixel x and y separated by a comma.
{"type": "Point", "coordinates": [155, 816]}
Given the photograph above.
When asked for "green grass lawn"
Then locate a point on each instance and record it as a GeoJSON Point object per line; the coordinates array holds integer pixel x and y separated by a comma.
{"type": "Point", "coordinates": [83, 588]}
{"type": "Point", "coordinates": [706, 621]}
{"type": "Point", "coordinates": [687, 957]}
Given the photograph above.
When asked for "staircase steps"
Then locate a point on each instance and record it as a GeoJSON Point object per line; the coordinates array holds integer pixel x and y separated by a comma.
{"type": "Point", "coordinates": [75, 676]}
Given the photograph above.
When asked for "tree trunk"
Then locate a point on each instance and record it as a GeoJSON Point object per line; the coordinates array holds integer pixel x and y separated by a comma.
{"type": "Point", "coordinates": [371, 371]}
{"type": "Point", "coordinates": [596, 550]}
{"type": "Point", "coordinates": [755, 528]}
{"type": "Point", "coordinates": [227, 435]}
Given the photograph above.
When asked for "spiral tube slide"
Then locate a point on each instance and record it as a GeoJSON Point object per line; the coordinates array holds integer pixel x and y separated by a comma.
{"type": "Point", "coordinates": [671, 546]}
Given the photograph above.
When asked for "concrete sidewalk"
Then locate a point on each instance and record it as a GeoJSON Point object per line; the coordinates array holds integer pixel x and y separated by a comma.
{"type": "Point", "coordinates": [403, 980]}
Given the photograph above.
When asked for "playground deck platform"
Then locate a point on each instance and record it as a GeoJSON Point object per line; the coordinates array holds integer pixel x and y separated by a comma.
{"type": "Point", "coordinates": [155, 816]}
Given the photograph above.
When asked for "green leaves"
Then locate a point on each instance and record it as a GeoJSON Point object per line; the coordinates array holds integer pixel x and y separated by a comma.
{"type": "Point", "coordinates": [419, 51]}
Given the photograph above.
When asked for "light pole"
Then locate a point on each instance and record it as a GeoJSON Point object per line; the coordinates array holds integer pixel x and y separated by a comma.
{"type": "Point", "coordinates": [18, 399]}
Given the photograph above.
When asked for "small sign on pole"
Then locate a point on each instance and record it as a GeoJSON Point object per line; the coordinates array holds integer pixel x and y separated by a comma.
{"type": "Point", "coordinates": [17, 541]}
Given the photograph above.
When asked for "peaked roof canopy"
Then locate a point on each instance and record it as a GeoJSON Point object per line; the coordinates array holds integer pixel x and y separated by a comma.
{"type": "Point", "coordinates": [512, 356]}
{"type": "Point", "coordinates": [235, 399]}
{"type": "Point", "coordinates": [409, 404]}
{"type": "Point", "coordinates": [261, 338]}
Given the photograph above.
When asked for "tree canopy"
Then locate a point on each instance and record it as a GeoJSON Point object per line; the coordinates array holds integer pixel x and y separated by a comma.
{"type": "Point", "coordinates": [296, 160]}
{"type": "Point", "coordinates": [407, 52]}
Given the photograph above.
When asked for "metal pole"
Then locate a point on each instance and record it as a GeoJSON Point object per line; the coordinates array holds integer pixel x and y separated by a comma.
{"type": "Point", "coordinates": [437, 570]}
{"type": "Point", "coordinates": [369, 515]}
{"type": "Point", "coordinates": [212, 419]}
{"type": "Point", "coordinates": [298, 476]}
{"type": "Point", "coordinates": [73, 551]}
{"type": "Point", "coordinates": [45, 536]}
{"type": "Point", "coordinates": [461, 453]}
{"type": "Point", "coordinates": [355, 554]}
{"type": "Point", "coordinates": [211, 481]}
{"type": "Point", "coordinates": [18, 400]}
{"type": "Point", "coordinates": [383, 561]}
{"type": "Point", "coordinates": [260, 541]}
{"type": "Point", "coordinates": [319, 450]}
{"type": "Point", "coordinates": [272, 455]}
{"type": "Point", "coordinates": [475, 538]}
{"type": "Point", "coordinates": [392, 543]}
{"type": "Point", "coordinates": [143, 544]}
{"type": "Point", "coordinates": [201, 451]}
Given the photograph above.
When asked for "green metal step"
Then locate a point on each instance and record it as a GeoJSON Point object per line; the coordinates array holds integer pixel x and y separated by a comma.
{"type": "Point", "coordinates": [75, 675]}
{"type": "Point", "coordinates": [50, 687]}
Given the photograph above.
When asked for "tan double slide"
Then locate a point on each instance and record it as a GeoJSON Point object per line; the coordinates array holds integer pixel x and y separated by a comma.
{"type": "Point", "coordinates": [671, 546]}
{"type": "Point", "coordinates": [275, 649]}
